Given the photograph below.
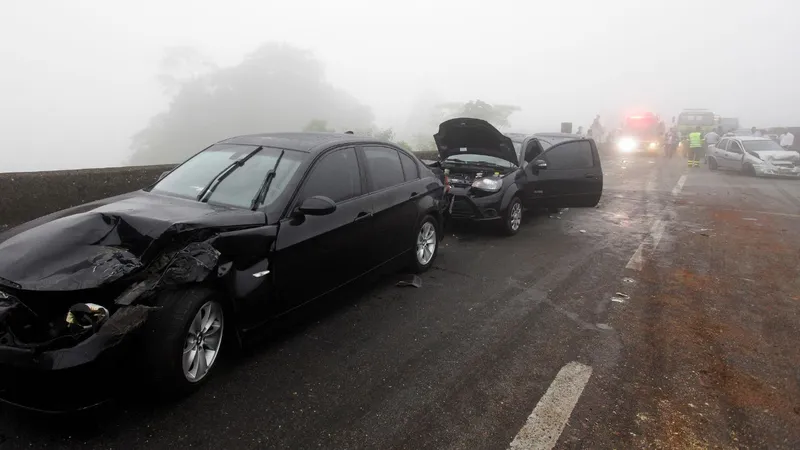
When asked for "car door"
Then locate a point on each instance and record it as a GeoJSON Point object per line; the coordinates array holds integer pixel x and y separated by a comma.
{"type": "Point", "coordinates": [569, 174]}
{"type": "Point", "coordinates": [734, 155]}
{"type": "Point", "coordinates": [531, 180]}
{"type": "Point", "coordinates": [316, 254]}
{"type": "Point", "coordinates": [718, 151]}
{"type": "Point", "coordinates": [393, 197]}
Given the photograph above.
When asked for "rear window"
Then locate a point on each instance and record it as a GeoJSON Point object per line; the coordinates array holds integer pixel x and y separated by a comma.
{"type": "Point", "coordinates": [384, 167]}
{"type": "Point", "coordinates": [410, 169]}
{"type": "Point", "coordinates": [571, 155]}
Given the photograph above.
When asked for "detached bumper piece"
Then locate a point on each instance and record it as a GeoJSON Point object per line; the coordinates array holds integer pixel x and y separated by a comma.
{"type": "Point", "coordinates": [479, 208]}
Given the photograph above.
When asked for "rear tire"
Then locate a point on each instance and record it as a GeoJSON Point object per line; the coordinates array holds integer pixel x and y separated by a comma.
{"type": "Point", "coordinates": [426, 245]}
{"type": "Point", "coordinates": [712, 164]}
{"type": "Point", "coordinates": [512, 218]}
{"type": "Point", "coordinates": [191, 325]}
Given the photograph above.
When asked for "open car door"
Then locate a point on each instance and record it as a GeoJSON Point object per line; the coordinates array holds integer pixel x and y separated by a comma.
{"type": "Point", "coordinates": [567, 174]}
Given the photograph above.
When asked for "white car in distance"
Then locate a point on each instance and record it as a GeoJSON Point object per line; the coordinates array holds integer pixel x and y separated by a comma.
{"type": "Point", "coordinates": [750, 155]}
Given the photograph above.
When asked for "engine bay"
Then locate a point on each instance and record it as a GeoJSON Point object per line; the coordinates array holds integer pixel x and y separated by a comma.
{"type": "Point", "coordinates": [464, 176]}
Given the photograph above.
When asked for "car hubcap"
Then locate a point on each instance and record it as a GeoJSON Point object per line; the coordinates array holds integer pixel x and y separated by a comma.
{"type": "Point", "coordinates": [516, 216]}
{"type": "Point", "coordinates": [203, 341]}
{"type": "Point", "coordinates": [426, 243]}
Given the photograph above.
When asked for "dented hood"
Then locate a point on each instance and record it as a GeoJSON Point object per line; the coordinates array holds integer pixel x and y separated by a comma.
{"type": "Point", "coordinates": [777, 155]}
{"type": "Point", "coordinates": [93, 244]}
{"type": "Point", "coordinates": [473, 136]}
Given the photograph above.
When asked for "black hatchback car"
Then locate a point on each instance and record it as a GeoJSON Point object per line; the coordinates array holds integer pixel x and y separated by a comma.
{"type": "Point", "coordinates": [493, 178]}
{"type": "Point", "coordinates": [244, 231]}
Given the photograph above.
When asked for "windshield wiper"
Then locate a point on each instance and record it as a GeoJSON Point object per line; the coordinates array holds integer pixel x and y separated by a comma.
{"type": "Point", "coordinates": [261, 195]}
{"type": "Point", "coordinates": [205, 194]}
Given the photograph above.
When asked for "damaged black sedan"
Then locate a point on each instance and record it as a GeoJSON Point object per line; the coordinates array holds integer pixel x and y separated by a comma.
{"type": "Point", "coordinates": [494, 179]}
{"type": "Point", "coordinates": [243, 232]}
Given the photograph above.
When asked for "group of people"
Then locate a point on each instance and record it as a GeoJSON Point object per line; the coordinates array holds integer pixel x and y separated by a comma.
{"type": "Point", "coordinates": [698, 142]}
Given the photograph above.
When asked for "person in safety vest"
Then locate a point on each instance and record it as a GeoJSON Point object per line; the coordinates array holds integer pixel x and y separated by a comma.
{"type": "Point", "coordinates": [696, 150]}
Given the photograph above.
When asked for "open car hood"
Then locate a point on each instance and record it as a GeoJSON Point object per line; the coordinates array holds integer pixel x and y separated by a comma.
{"type": "Point", "coordinates": [99, 242]}
{"type": "Point", "coordinates": [473, 136]}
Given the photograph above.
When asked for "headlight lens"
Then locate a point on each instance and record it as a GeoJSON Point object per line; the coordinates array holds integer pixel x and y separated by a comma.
{"type": "Point", "coordinates": [627, 144]}
{"type": "Point", "coordinates": [488, 184]}
{"type": "Point", "coordinates": [652, 145]}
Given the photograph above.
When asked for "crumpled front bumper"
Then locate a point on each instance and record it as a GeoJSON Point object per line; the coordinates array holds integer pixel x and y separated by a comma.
{"type": "Point", "coordinates": [466, 206]}
{"type": "Point", "coordinates": [76, 377]}
{"type": "Point", "coordinates": [776, 171]}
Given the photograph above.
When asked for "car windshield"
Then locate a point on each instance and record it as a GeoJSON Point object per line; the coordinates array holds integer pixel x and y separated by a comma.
{"type": "Point", "coordinates": [479, 159]}
{"type": "Point", "coordinates": [762, 146]}
{"type": "Point", "coordinates": [548, 141]}
{"type": "Point", "coordinates": [241, 186]}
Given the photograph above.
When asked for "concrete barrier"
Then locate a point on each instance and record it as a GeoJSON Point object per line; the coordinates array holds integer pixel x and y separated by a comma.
{"type": "Point", "coordinates": [25, 196]}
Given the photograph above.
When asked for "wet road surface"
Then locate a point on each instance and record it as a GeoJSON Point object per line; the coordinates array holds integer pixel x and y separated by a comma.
{"type": "Point", "coordinates": [666, 317]}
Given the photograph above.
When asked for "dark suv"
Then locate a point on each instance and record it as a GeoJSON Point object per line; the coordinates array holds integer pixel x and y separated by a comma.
{"type": "Point", "coordinates": [492, 179]}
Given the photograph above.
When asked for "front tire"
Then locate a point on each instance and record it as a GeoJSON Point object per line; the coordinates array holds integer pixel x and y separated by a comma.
{"type": "Point", "coordinates": [512, 219]}
{"type": "Point", "coordinates": [426, 245]}
{"type": "Point", "coordinates": [712, 164]}
{"type": "Point", "coordinates": [184, 339]}
{"type": "Point", "coordinates": [748, 170]}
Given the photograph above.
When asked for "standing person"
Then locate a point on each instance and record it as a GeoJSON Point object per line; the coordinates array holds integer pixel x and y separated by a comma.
{"type": "Point", "coordinates": [787, 140]}
{"type": "Point", "coordinates": [671, 142]}
{"type": "Point", "coordinates": [580, 131]}
{"type": "Point", "coordinates": [695, 147]}
{"type": "Point", "coordinates": [755, 132]}
{"type": "Point", "coordinates": [596, 129]}
{"type": "Point", "coordinates": [712, 138]}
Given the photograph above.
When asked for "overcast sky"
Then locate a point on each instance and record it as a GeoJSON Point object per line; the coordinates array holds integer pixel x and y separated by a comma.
{"type": "Point", "coordinates": [78, 77]}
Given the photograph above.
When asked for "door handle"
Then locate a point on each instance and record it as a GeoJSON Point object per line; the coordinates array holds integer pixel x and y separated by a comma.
{"type": "Point", "coordinates": [590, 175]}
{"type": "Point", "coordinates": [363, 215]}
{"type": "Point", "coordinates": [413, 194]}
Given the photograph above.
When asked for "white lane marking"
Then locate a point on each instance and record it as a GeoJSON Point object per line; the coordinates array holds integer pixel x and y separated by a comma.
{"type": "Point", "coordinates": [679, 186]}
{"type": "Point", "coordinates": [548, 419]}
{"type": "Point", "coordinates": [656, 232]}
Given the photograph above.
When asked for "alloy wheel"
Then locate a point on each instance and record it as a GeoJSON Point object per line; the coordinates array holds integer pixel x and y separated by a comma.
{"type": "Point", "coordinates": [426, 243]}
{"type": "Point", "coordinates": [515, 217]}
{"type": "Point", "coordinates": [203, 341]}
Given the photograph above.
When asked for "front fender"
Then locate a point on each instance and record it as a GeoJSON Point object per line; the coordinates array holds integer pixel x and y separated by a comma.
{"type": "Point", "coordinates": [512, 191]}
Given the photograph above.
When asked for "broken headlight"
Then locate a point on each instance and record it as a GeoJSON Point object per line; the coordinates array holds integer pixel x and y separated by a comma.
{"type": "Point", "coordinates": [86, 316]}
{"type": "Point", "coordinates": [488, 184]}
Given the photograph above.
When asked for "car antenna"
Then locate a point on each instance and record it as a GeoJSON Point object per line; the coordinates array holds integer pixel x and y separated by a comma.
{"type": "Point", "coordinates": [261, 195]}
{"type": "Point", "coordinates": [205, 194]}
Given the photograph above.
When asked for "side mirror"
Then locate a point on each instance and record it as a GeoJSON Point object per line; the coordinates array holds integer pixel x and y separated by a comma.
{"type": "Point", "coordinates": [318, 205]}
{"type": "Point", "coordinates": [163, 174]}
{"type": "Point", "coordinates": [540, 164]}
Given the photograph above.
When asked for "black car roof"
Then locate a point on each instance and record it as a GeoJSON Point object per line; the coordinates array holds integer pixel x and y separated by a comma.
{"type": "Point", "coordinates": [302, 142]}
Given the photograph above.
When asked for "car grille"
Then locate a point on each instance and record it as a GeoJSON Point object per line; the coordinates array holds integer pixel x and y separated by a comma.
{"type": "Point", "coordinates": [462, 208]}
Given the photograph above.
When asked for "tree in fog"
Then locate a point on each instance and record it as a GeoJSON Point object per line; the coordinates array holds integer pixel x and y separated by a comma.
{"type": "Point", "coordinates": [319, 126]}
{"type": "Point", "coordinates": [497, 115]}
{"type": "Point", "coordinates": [276, 88]}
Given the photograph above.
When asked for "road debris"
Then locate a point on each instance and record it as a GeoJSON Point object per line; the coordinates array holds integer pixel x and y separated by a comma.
{"type": "Point", "coordinates": [583, 231]}
{"type": "Point", "coordinates": [411, 280]}
{"type": "Point", "coordinates": [628, 280]}
{"type": "Point", "coordinates": [619, 297]}
{"type": "Point", "coordinates": [604, 326]}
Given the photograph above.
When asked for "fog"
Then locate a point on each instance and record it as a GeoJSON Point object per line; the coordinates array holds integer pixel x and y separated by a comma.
{"type": "Point", "coordinates": [99, 83]}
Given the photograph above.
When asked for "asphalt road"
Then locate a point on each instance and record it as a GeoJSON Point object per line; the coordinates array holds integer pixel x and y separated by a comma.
{"type": "Point", "coordinates": [522, 342]}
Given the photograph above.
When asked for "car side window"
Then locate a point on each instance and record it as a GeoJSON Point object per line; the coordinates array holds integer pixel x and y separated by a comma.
{"type": "Point", "coordinates": [384, 167]}
{"type": "Point", "coordinates": [571, 155]}
{"type": "Point", "coordinates": [410, 168]}
{"type": "Point", "coordinates": [533, 150]}
{"type": "Point", "coordinates": [721, 144]}
{"type": "Point", "coordinates": [734, 147]}
{"type": "Point", "coordinates": [336, 176]}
